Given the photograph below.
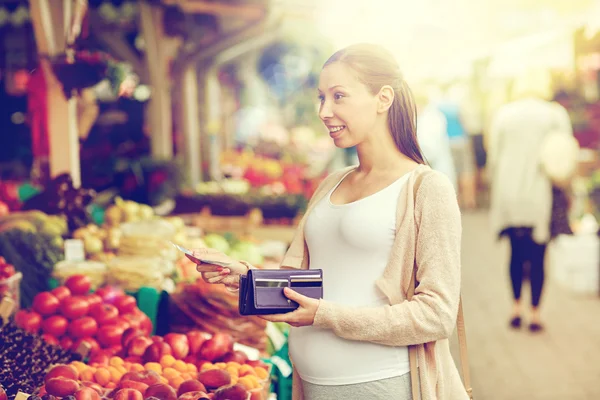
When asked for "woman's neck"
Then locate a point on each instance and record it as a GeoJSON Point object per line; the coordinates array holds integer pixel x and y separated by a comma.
{"type": "Point", "coordinates": [379, 154]}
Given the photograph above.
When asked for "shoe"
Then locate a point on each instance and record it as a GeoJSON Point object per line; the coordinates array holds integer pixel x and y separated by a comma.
{"type": "Point", "coordinates": [535, 327]}
{"type": "Point", "coordinates": [515, 322]}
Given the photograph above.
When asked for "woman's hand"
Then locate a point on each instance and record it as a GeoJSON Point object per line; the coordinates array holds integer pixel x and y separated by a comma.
{"type": "Point", "coordinates": [213, 273]}
{"type": "Point", "coordinates": [302, 316]}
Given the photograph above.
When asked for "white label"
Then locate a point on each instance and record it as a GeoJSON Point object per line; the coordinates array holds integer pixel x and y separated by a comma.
{"type": "Point", "coordinates": [276, 336]}
{"type": "Point", "coordinates": [74, 250]}
{"type": "Point", "coordinates": [251, 352]}
{"type": "Point", "coordinates": [284, 367]}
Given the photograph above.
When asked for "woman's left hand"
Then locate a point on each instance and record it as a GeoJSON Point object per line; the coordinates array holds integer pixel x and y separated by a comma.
{"type": "Point", "coordinates": [304, 315]}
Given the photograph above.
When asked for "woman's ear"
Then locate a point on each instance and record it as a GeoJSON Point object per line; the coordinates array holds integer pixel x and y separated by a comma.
{"type": "Point", "coordinates": [385, 98]}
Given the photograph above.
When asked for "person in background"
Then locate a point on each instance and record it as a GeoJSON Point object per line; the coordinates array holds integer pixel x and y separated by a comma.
{"type": "Point", "coordinates": [460, 145]}
{"type": "Point", "coordinates": [433, 139]}
{"type": "Point", "coordinates": [367, 230]}
{"type": "Point", "coordinates": [521, 192]}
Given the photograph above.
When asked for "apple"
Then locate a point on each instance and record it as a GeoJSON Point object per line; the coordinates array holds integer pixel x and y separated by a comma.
{"type": "Point", "coordinates": [155, 351]}
{"type": "Point", "coordinates": [195, 340]}
{"type": "Point", "coordinates": [138, 345]}
{"type": "Point", "coordinates": [216, 347]}
{"type": "Point", "coordinates": [129, 334]}
{"type": "Point", "coordinates": [235, 356]}
{"type": "Point", "coordinates": [180, 346]}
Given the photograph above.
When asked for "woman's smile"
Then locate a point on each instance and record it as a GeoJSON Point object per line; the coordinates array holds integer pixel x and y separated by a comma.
{"type": "Point", "coordinates": [336, 131]}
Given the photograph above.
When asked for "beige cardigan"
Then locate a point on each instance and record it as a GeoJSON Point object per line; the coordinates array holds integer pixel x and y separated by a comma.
{"type": "Point", "coordinates": [429, 318]}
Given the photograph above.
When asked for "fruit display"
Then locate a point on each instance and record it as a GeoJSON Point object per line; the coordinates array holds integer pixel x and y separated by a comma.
{"type": "Point", "coordinates": [34, 221]}
{"type": "Point", "coordinates": [127, 211]}
{"type": "Point", "coordinates": [97, 239]}
{"type": "Point", "coordinates": [24, 359]}
{"type": "Point", "coordinates": [213, 309]}
{"type": "Point", "coordinates": [70, 315]}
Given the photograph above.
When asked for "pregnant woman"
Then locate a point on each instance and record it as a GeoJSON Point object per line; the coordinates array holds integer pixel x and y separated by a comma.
{"type": "Point", "coordinates": [367, 227]}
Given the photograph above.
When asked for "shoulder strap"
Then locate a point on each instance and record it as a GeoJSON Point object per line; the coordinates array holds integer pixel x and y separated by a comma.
{"type": "Point", "coordinates": [460, 327]}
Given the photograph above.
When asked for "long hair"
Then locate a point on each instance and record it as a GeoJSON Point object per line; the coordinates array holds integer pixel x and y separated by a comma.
{"type": "Point", "coordinates": [376, 67]}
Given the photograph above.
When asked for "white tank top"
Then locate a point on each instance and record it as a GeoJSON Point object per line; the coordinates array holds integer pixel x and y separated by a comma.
{"type": "Point", "coordinates": [351, 243]}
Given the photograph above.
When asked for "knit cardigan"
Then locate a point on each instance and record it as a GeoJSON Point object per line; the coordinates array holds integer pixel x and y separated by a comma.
{"type": "Point", "coordinates": [428, 230]}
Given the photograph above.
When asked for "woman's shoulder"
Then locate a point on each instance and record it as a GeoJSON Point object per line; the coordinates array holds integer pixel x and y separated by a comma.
{"type": "Point", "coordinates": [434, 184]}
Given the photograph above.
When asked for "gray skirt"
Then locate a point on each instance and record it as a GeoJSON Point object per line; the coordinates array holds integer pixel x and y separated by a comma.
{"type": "Point", "coordinates": [397, 388]}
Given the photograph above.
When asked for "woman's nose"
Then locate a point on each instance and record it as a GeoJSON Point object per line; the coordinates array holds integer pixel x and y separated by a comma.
{"type": "Point", "coordinates": [325, 111]}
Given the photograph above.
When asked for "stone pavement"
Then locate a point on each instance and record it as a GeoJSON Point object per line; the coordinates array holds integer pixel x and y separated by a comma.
{"type": "Point", "coordinates": [561, 363]}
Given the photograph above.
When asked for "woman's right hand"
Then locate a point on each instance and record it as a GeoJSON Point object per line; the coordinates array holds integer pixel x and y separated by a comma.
{"type": "Point", "coordinates": [212, 273]}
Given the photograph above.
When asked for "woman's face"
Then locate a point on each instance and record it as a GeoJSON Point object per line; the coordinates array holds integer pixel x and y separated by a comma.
{"type": "Point", "coordinates": [347, 107]}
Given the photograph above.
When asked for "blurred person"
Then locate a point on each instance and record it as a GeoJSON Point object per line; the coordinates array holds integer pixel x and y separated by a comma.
{"type": "Point", "coordinates": [369, 228]}
{"type": "Point", "coordinates": [521, 190]}
{"type": "Point", "coordinates": [460, 145]}
{"type": "Point", "coordinates": [433, 140]}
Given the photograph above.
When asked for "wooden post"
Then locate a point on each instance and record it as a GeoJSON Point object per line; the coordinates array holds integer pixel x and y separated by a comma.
{"type": "Point", "coordinates": [190, 128]}
{"type": "Point", "coordinates": [50, 20]}
{"type": "Point", "coordinates": [160, 118]}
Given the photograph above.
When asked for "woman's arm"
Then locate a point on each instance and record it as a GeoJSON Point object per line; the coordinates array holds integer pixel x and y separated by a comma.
{"type": "Point", "coordinates": [431, 314]}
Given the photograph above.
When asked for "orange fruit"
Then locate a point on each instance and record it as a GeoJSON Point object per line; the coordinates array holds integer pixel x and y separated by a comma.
{"type": "Point", "coordinates": [170, 372]}
{"type": "Point", "coordinates": [234, 379]}
{"type": "Point", "coordinates": [206, 366]}
{"type": "Point", "coordinates": [167, 361]}
{"type": "Point", "coordinates": [102, 376]}
{"type": "Point", "coordinates": [234, 364]}
{"type": "Point", "coordinates": [221, 365]}
{"type": "Point", "coordinates": [164, 380]}
{"type": "Point", "coordinates": [261, 372]}
{"type": "Point", "coordinates": [176, 382]}
{"type": "Point", "coordinates": [135, 367]}
{"type": "Point", "coordinates": [246, 382]}
{"type": "Point", "coordinates": [116, 361]}
{"type": "Point", "coordinates": [115, 374]}
{"type": "Point", "coordinates": [232, 371]}
{"type": "Point", "coordinates": [246, 370]}
{"type": "Point", "coordinates": [192, 368]}
{"type": "Point", "coordinates": [180, 366]}
{"type": "Point", "coordinates": [87, 375]}
{"type": "Point", "coordinates": [153, 366]}
{"type": "Point", "coordinates": [79, 366]}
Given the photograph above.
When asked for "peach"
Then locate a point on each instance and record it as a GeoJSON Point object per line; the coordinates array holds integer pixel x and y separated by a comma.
{"type": "Point", "coordinates": [191, 385]}
{"type": "Point", "coordinates": [235, 392]}
{"type": "Point", "coordinates": [139, 386]}
{"type": "Point", "coordinates": [61, 387]}
{"type": "Point", "coordinates": [62, 371]}
{"type": "Point", "coordinates": [214, 378]}
{"type": "Point", "coordinates": [137, 346]}
{"type": "Point", "coordinates": [193, 396]}
{"type": "Point", "coordinates": [161, 392]}
{"type": "Point", "coordinates": [94, 386]}
{"type": "Point", "coordinates": [87, 393]}
{"type": "Point", "coordinates": [128, 394]}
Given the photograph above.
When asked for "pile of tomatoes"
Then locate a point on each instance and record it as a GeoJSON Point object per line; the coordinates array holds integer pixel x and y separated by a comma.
{"type": "Point", "coordinates": [70, 315]}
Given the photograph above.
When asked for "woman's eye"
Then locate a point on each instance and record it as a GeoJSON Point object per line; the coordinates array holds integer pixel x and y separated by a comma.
{"type": "Point", "coordinates": [338, 96]}
{"type": "Point", "coordinates": [321, 98]}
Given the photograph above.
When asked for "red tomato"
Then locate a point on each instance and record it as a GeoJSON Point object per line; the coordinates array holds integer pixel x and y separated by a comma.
{"type": "Point", "coordinates": [125, 304]}
{"type": "Point", "coordinates": [123, 323]}
{"type": "Point", "coordinates": [78, 284]}
{"type": "Point", "coordinates": [74, 307]}
{"type": "Point", "coordinates": [93, 299]}
{"type": "Point", "coordinates": [28, 320]}
{"type": "Point", "coordinates": [45, 303]}
{"type": "Point", "coordinates": [49, 339]}
{"type": "Point", "coordinates": [91, 342]}
{"type": "Point", "coordinates": [83, 327]}
{"type": "Point", "coordinates": [61, 293]}
{"type": "Point", "coordinates": [110, 335]}
{"type": "Point", "coordinates": [104, 314]}
{"type": "Point", "coordinates": [55, 325]}
{"type": "Point", "coordinates": [66, 342]}
{"type": "Point", "coordinates": [110, 293]}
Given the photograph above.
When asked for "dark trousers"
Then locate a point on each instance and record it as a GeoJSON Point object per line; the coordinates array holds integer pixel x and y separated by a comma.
{"type": "Point", "coordinates": [527, 259]}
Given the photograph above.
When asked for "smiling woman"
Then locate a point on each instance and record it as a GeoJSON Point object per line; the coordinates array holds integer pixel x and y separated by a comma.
{"type": "Point", "coordinates": [369, 228]}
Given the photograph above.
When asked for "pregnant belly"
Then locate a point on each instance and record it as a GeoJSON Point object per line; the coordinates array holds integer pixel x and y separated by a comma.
{"type": "Point", "coordinates": [321, 357]}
